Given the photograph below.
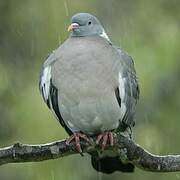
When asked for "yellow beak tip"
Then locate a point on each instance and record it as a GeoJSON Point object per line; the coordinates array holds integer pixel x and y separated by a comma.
{"type": "Point", "coordinates": [69, 28]}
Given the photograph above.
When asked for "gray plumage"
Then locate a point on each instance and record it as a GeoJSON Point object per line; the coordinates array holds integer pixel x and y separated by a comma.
{"type": "Point", "coordinates": [88, 83]}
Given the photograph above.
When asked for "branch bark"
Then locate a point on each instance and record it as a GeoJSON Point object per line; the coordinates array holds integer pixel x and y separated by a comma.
{"type": "Point", "coordinates": [132, 153]}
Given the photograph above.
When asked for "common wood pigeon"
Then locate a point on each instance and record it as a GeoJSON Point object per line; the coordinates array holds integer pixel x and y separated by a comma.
{"type": "Point", "coordinates": [91, 87]}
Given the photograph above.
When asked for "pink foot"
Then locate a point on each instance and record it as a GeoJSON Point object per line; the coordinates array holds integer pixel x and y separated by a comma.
{"type": "Point", "coordinates": [105, 138]}
{"type": "Point", "coordinates": [76, 137]}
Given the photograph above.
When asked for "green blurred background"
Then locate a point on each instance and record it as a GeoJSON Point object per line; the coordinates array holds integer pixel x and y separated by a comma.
{"type": "Point", "coordinates": [30, 29]}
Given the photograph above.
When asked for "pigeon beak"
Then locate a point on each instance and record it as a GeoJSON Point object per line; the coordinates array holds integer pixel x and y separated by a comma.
{"type": "Point", "coordinates": [73, 26]}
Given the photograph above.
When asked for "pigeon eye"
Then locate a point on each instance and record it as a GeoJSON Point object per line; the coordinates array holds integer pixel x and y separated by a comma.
{"type": "Point", "coordinates": [89, 23]}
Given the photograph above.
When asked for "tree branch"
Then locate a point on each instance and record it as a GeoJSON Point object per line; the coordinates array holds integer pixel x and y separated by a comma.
{"type": "Point", "coordinates": [127, 150]}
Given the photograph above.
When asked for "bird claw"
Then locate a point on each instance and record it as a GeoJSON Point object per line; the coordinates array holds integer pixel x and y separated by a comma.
{"type": "Point", "coordinates": [104, 139]}
{"type": "Point", "coordinates": [76, 137]}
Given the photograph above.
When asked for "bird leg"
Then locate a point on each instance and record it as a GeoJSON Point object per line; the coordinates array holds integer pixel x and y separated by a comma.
{"type": "Point", "coordinates": [105, 138]}
{"type": "Point", "coordinates": [76, 137]}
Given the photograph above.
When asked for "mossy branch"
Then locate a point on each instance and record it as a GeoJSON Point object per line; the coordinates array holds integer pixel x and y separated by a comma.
{"type": "Point", "coordinates": [133, 153]}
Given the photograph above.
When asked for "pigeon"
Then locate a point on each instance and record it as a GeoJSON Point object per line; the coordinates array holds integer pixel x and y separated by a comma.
{"type": "Point", "coordinates": [91, 87]}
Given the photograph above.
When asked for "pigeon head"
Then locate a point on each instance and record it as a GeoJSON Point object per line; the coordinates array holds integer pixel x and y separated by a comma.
{"type": "Point", "coordinates": [85, 24]}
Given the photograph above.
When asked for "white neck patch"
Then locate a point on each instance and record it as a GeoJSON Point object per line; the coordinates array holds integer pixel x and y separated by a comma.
{"type": "Point", "coordinates": [104, 35]}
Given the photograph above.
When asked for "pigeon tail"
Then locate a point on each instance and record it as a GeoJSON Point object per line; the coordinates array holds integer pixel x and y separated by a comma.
{"type": "Point", "coordinates": [109, 165]}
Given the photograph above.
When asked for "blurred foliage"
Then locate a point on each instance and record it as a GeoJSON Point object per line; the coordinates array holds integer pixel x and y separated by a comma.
{"type": "Point", "coordinates": [30, 29]}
